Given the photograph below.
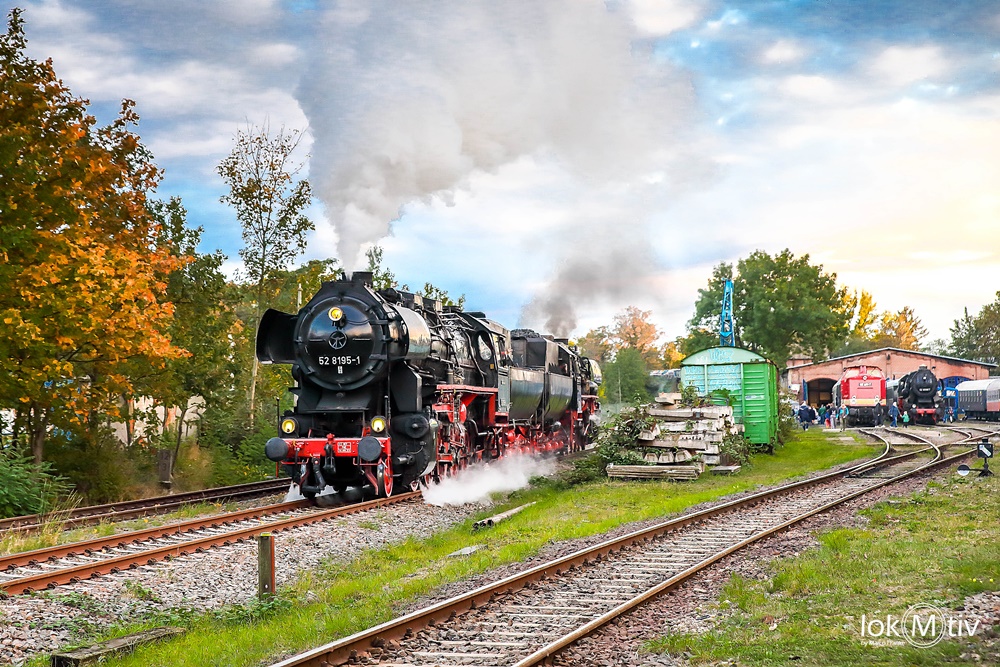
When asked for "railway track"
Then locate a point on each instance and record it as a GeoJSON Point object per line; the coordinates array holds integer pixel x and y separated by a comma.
{"type": "Point", "coordinates": [527, 618]}
{"type": "Point", "coordinates": [131, 509]}
{"type": "Point", "coordinates": [69, 563]}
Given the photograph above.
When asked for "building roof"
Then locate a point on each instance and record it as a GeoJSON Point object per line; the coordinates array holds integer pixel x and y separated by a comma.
{"type": "Point", "coordinates": [723, 354]}
{"type": "Point", "coordinates": [898, 349]}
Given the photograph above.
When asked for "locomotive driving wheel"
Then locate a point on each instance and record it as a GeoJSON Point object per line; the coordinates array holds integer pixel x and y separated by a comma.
{"type": "Point", "coordinates": [383, 475]}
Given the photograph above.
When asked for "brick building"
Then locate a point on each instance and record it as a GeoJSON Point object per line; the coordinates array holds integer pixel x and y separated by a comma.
{"type": "Point", "coordinates": [813, 382]}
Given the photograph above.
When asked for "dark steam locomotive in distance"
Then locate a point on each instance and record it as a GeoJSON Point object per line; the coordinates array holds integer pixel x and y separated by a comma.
{"type": "Point", "coordinates": [918, 393]}
{"type": "Point", "coordinates": [392, 389]}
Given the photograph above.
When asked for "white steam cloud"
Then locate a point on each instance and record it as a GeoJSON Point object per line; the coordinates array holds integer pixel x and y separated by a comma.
{"type": "Point", "coordinates": [476, 483]}
{"type": "Point", "coordinates": [409, 100]}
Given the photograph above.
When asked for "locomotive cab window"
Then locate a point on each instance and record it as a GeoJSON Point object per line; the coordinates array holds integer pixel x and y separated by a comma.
{"type": "Point", "coordinates": [485, 353]}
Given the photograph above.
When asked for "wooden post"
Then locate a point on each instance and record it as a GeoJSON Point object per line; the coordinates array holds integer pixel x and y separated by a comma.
{"type": "Point", "coordinates": [265, 565]}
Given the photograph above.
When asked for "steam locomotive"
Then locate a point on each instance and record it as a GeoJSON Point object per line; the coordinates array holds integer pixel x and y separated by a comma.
{"type": "Point", "coordinates": [393, 390]}
{"type": "Point", "coordinates": [919, 390]}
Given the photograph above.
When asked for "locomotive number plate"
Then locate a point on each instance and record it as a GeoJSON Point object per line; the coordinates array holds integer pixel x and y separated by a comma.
{"type": "Point", "coordinates": [345, 360]}
{"type": "Point", "coordinates": [346, 448]}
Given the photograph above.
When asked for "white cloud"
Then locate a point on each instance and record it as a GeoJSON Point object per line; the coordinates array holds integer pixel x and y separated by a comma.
{"type": "Point", "coordinates": [814, 88]}
{"type": "Point", "coordinates": [276, 54]}
{"type": "Point", "coordinates": [783, 52]}
{"type": "Point", "coordinates": [897, 199]}
{"type": "Point", "coordinates": [658, 18]}
{"type": "Point", "coordinates": [903, 65]}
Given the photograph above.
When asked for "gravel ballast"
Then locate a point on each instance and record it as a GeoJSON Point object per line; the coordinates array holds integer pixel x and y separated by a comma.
{"type": "Point", "coordinates": [43, 623]}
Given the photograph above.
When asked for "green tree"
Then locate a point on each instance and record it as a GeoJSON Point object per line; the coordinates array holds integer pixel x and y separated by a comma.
{"type": "Point", "coordinates": [383, 277]}
{"type": "Point", "coordinates": [204, 321]}
{"type": "Point", "coordinates": [294, 288]}
{"type": "Point", "coordinates": [938, 346]}
{"type": "Point", "coordinates": [964, 337]}
{"type": "Point", "coordinates": [82, 261]}
{"type": "Point", "coordinates": [697, 340]}
{"type": "Point", "coordinates": [625, 377]}
{"type": "Point", "coordinates": [260, 173]}
{"type": "Point", "coordinates": [978, 337]}
{"type": "Point", "coordinates": [782, 305]}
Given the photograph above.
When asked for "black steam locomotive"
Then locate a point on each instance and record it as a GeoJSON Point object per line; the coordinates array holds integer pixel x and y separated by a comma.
{"type": "Point", "coordinates": [392, 389]}
{"type": "Point", "coordinates": [918, 393]}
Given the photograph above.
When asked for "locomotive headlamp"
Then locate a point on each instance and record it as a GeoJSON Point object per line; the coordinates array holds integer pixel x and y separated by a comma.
{"type": "Point", "coordinates": [288, 426]}
{"type": "Point", "coordinates": [336, 314]}
{"type": "Point", "coordinates": [378, 424]}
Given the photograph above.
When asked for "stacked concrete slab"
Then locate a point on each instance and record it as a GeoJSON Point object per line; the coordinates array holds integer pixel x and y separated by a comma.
{"type": "Point", "coordinates": [682, 442]}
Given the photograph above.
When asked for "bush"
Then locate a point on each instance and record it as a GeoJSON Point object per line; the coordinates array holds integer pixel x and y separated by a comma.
{"type": "Point", "coordinates": [235, 448]}
{"type": "Point", "coordinates": [738, 448]}
{"type": "Point", "coordinates": [26, 488]}
{"type": "Point", "coordinates": [101, 468]}
{"type": "Point", "coordinates": [617, 436]}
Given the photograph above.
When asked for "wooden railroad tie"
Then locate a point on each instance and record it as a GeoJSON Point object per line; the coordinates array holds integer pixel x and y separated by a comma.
{"type": "Point", "coordinates": [96, 653]}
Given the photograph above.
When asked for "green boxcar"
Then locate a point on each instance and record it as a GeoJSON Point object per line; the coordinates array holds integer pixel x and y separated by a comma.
{"type": "Point", "coordinates": [750, 380]}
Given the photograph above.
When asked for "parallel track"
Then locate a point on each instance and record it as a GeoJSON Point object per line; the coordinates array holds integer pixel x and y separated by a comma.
{"type": "Point", "coordinates": [130, 509]}
{"type": "Point", "coordinates": [47, 568]}
{"type": "Point", "coordinates": [527, 618]}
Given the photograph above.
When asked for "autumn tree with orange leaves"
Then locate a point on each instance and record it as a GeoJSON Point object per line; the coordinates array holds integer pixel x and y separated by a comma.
{"type": "Point", "coordinates": [83, 264]}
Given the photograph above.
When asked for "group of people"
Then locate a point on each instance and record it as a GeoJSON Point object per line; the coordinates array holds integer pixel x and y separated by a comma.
{"type": "Point", "coordinates": [828, 414]}
{"type": "Point", "coordinates": [896, 415]}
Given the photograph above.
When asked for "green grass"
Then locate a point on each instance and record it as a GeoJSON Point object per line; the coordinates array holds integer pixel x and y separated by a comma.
{"type": "Point", "coordinates": [342, 598]}
{"type": "Point", "coordinates": [935, 547]}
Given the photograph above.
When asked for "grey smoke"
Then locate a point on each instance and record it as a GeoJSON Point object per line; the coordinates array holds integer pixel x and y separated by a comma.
{"type": "Point", "coordinates": [409, 100]}
{"type": "Point", "coordinates": [610, 266]}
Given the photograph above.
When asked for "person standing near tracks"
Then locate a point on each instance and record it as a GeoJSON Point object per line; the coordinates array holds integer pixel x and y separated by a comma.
{"type": "Point", "coordinates": [806, 415]}
{"type": "Point", "coordinates": [842, 413]}
{"type": "Point", "coordinates": [878, 412]}
{"type": "Point", "coordinates": [893, 413]}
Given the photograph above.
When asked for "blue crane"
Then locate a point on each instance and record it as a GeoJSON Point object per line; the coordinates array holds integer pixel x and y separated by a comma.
{"type": "Point", "coordinates": [727, 337]}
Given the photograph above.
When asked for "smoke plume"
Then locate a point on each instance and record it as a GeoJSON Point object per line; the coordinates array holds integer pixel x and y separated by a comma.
{"type": "Point", "coordinates": [409, 100]}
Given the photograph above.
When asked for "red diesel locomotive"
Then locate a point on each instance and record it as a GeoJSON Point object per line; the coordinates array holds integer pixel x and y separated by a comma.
{"type": "Point", "coordinates": [861, 388]}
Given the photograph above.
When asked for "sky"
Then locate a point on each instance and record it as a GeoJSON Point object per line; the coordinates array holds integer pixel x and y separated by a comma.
{"type": "Point", "coordinates": [558, 161]}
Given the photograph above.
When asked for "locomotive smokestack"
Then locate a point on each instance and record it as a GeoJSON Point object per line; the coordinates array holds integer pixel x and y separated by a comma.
{"type": "Point", "coordinates": [362, 278]}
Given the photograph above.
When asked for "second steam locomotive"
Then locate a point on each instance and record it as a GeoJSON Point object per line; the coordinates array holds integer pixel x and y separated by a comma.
{"type": "Point", "coordinates": [393, 389]}
{"type": "Point", "coordinates": [919, 394]}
